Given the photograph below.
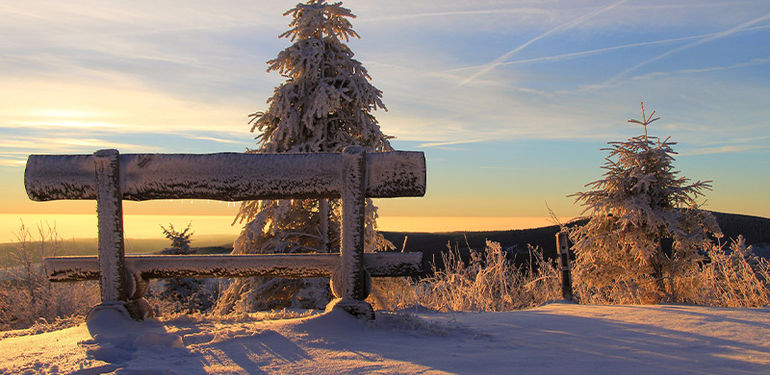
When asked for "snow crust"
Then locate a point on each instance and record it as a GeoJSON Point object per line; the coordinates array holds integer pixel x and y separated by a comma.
{"type": "Point", "coordinates": [556, 338]}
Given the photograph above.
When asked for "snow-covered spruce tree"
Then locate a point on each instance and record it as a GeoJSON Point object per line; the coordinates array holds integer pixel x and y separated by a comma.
{"type": "Point", "coordinates": [180, 241]}
{"type": "Point", "coordinates": [645, 228]}
{"type": "Point", "coordinates": [190, 294]}
{"type": "Point", "coordinates": [324, 105]}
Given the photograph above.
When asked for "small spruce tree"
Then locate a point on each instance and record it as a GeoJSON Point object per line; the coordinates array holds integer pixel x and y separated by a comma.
{"type": "Point", "coordinates": [645, 228]}
{"type": "Point", "coordinates": [325, 104]}
{"type": "Point", "coordinates": [191, 294]}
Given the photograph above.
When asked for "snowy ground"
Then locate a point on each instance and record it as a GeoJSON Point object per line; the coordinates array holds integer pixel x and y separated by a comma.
{"type": "Point", "coordinates": [553, 339]}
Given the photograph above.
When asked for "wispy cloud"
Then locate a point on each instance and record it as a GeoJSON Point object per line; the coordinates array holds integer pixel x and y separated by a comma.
{"type": "Point", "coordinates": [472, 12]}
{"type": "Point", "coordinates": [723, 150]}
{"type": "Point", "coordinates": [715, 36]}
{"type": "Point", "coordinates": [6, 162]}
{"type": "Point", "coordinates": [59, 104]}
{"type": "Point", "coordinates": [565, 26]}
{"type": "Point", "coordinates": [220, 140]}
{"type": "Point", "coordinates": [69, 124]}
{"type": "Point", "coordinates": [744, 64]}
{"type": "Point", "coordinates": [570, 55]}
{"type": "Point", "coordinates": [500, 167]}
{"type": "Point", "coordinates": [14, 150]}
{"type": "Point", "coordinates": [450, 143]}
{"type": "Point", "coordinates": [59, 145]}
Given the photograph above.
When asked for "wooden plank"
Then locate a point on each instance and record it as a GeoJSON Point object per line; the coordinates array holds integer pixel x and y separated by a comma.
{"type": "Point", "coordinates": [225, 176]}
{"type": "Point", "coordinates": [78, 268]}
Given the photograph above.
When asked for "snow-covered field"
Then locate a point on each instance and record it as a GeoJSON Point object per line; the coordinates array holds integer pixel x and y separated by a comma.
{"type": "Point", "coordinates": [556, 338]}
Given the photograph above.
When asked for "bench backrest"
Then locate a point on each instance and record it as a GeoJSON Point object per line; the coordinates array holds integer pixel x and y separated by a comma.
{"type": "Point", "coordinates": [225, 176]}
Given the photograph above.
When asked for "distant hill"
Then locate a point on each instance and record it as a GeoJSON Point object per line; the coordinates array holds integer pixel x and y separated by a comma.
{"type": "Point", "coordinates": [755, 229]}
{"type": "Point", "coordinates": [204, 244]}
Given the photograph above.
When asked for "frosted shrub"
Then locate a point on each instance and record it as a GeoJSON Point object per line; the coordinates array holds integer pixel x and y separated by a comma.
{"type": "Point", "coordinates": [27, 297]}
{"type": "Point", "coordinates": [489, 282]}
{"type": "Point", "coordinates": [732, 278]}
{"type": "Point", "coordinates": [646, 230]}
{"type": "Point", "coordinates": [392, 293]}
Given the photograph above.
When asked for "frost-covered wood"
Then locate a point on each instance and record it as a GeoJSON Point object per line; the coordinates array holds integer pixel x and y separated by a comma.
{"type": "Point", "coordinates": [109, 208]}
{"type": "Point", "coordinates": [355, 279]}
{"type": "Point", "coordinates": [78, 268]}
{"type": "Point", "coordinates": [110, 177]}
{"type": "Point", "coordinates": [225, 176]}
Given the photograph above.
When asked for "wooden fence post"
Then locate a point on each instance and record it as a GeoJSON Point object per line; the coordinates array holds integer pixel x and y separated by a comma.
{"type": "Point", "coordinates": [351, 283]}
{"type": "Point", "coordinates": [562, 246]}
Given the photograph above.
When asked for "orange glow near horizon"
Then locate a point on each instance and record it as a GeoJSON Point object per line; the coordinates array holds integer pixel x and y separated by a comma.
{"type": "Point", "coordinates": [148, 226]}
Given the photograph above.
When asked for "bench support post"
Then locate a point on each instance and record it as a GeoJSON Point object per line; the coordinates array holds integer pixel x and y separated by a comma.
{"type": "Point", "coordinates": [109, 209]}
{"type": "Point", "coordinates": [351, 283]}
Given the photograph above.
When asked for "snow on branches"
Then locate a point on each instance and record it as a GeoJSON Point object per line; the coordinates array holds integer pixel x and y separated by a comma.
{"type": "Point", "coordinates": [324, 105]}
{"type": "Point", "coordinates": [326, 101]}
{"type": "Point", "coordinates": [645, 221]}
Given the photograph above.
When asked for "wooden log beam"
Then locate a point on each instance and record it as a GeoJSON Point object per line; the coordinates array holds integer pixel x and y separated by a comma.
{"type": "Point", "coordinates": [225, 176]}
{"type": "Point", "coordinates": [79, 268]}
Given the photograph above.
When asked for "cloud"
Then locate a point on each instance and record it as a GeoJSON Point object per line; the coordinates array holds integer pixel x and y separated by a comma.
{"type": "Point", "coordinates": [571, 55]}
{"type": "Point", "coordinates": [722, 34]}
{"type": "Point", "coordinates": [500, 167]}
{"type": "Point", "coordinates": [723, 150]}
{"type": "Point", "coordinates": [62, 145]}
{"type": "Point", "coordinates": [14, 163]}
{"type": "Point", "coordinates": [15, 149]}
{"type": "Point", "coordinates": [121, 107]}
{"type": "Point", "coordinates": [562, 27]}
{"type": "Point", "coordinates": [220, 140]}
{"type": "Point", "coordinates": [744, 64]}
{"type": "Point", "coordinates": [449, 143]}
{"type": "Point", "coordinates": [461, 13]}
{"type": "Point", "coordinates": [194, 70]}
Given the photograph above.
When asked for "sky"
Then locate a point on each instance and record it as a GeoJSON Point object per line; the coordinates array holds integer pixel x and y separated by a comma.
{"type": "Point", "coordinates": [511, 101]}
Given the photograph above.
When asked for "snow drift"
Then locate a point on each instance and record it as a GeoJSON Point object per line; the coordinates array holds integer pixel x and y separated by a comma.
{"type": "Point", "coordinates": [551, 339]}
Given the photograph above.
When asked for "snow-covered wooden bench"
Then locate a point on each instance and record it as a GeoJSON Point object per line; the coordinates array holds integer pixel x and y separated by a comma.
{"type": "Point", "coordinates": [109, 177]}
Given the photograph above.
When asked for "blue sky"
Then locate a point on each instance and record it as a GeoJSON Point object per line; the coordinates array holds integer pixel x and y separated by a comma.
{"type": "Point", "coordinates": [510, 100]}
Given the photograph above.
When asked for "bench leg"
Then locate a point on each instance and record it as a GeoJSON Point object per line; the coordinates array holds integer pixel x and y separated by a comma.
{"type": "Point", "coordinates": [109, 209]}
{"type": "Point", "coordinates": [351, 283]}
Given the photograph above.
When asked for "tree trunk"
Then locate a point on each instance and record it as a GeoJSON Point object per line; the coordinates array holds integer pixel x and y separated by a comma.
{"type": "Point", "coordinates": [323, 213]}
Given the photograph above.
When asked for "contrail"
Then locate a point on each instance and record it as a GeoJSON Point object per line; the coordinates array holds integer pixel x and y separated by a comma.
{"type": "Point", "coordinates": [565, 26]}
{"type": "Point", "coordinates": [718, 35]}
{"type": "Point", "coordinates": [745, 64]}
{"type": "Point", "coordinates": [605, 49]}
{"type": "Point", "coordinates": [480, 12]}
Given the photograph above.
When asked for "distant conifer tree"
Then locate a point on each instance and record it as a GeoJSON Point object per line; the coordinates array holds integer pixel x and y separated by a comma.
{"type": "Point", "coordinates": [191, 294]}
{"type": "Point", "coordinates": [645, 225]}
{"type": "Point", "coordinates": [325, 104]}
